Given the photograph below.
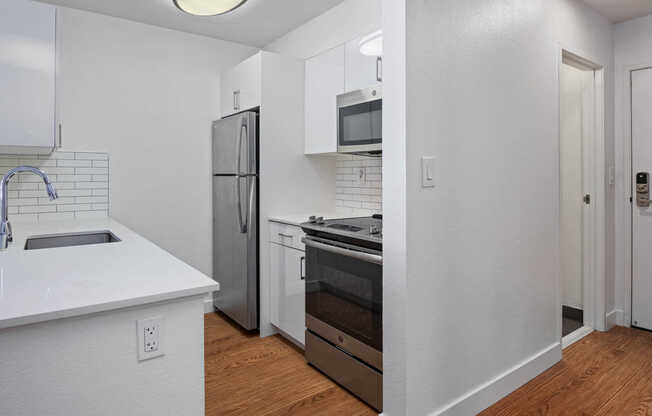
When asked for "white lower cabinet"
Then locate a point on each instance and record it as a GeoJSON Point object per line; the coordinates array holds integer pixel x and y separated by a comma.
{"type": "Point", "coordinates": [288, 290]}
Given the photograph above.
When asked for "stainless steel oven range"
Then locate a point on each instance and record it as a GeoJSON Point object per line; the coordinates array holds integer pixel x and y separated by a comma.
{"type": "Point", "coordinates": [344, 303]}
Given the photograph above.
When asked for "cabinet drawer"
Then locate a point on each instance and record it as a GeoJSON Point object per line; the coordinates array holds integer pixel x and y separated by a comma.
{"type": "Point", "coordinates": [287, 235]}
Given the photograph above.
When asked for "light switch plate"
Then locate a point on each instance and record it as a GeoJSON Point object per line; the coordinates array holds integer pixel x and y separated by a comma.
{"type": "Point", "coordinates": [150, 338]}
{"type": "Point", "coordinates": [427, 171]}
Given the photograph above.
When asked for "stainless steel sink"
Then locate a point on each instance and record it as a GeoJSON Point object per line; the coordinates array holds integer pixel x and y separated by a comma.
{"type": "Point", "coordinates": [69, 240]}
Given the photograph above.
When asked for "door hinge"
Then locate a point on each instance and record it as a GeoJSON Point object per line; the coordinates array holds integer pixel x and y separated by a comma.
{"type": "Point", "coordinates": [587, 199]}
{"type": "Point", "coordinates": [630, 200]}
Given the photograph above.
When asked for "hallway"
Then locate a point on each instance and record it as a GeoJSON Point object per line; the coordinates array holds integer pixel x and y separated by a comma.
{"type": "Point", "coordinates": [608, 373]}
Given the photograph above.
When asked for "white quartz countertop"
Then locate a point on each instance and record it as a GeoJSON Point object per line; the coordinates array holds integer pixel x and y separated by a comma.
{"type": "Point", "coordinates": [41, 285]}
{"type": "Point", "coordinates": [297, 219]}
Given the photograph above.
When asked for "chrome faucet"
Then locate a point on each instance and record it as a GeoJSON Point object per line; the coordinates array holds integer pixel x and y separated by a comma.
{"type": "Point", "coordinates": [6, 235]}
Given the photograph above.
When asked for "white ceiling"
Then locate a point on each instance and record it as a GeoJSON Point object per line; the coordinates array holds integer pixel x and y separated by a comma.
{"type": "Point", "coordinates": [256, 23]}
{"type": "Point", "coordinates": [620, 10]}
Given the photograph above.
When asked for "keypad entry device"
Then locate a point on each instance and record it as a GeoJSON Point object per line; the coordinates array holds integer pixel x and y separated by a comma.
{"type": "Point", "coordinates": [643, 189]}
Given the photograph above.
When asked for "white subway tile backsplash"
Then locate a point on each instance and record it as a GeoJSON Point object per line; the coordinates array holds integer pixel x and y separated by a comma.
{"type": "Point", "coordinates": [58, 155]}
{"type": "Point", "coordinates": [37, 209]}
{"type": "Point", "coordinates": [354, 194]}
{"type": "Point", "coordinates": [92, 171]}
{"type": "Point", "coordinates": [92, 185]}
{"type": "Point", "coordinates": [95, 157]}
{"type": "Point", "coordinates": [81, 180]}
{"type": "Point", "coordinates": [75, 163]}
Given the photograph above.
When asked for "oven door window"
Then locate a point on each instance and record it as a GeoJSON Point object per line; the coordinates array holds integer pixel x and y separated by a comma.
{"type": "Point", "coordinates": [361, 124]}
{"type": "Point", "coordinates": [346, 293]}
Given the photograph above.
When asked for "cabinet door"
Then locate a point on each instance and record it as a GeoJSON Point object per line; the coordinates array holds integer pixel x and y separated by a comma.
{"type": "Point", "coordinates": [362, 71]}
{"type": "Point", "coordinates": [287, 290]}
{"type": "Point", "coordinates": [324, 81]}
{"type": "Point", "coordinates": [27, 76]}
{"type": "Point", "coordinates": [241, 85]}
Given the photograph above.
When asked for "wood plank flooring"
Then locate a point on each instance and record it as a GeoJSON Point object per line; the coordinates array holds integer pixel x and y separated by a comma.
{"type": "Point", "coordinates": [253, 376]}
{"type": "Point", "coordinates": [604, 374]}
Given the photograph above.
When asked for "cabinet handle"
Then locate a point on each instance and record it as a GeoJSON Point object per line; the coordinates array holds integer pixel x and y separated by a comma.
{"type": "Point", "coordinates": [60, 138]}
{"type": "Point", "coordinates": [236, 100]}
{"type": "Point", "coordinates": [302, 263]}
{"type": "Point", "coordinates": [286, 235]}
{"type": "Point", "coordinates": [379, 69]}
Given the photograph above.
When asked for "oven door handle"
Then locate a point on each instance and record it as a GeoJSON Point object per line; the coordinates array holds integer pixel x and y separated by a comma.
{"type": "Point", "coordinates": [358, 255]}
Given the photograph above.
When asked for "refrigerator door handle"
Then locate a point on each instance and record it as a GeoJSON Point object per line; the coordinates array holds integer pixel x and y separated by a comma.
{"type": "Point", "coordinates": [239, 150]}
{"type": "Point", "coordinates": [243, 226]}
{"type": "Point", "coordinates": [252, 188]}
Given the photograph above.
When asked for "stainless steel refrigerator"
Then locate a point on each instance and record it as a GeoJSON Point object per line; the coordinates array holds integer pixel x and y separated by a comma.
{"type": "Point", "coordinates": [235, 217]}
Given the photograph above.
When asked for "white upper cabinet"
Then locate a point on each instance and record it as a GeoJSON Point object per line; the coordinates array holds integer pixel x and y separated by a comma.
{"type": "Point", "coordinates": [27, 76]}
{"type": "Point", "coordinates": [324, 81]}
{"type": "Point", "coordinates": [362, 71]}
{"type": "Point", "coordinates": [241, 86]}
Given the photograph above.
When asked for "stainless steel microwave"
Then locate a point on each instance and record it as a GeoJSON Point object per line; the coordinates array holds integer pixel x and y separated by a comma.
{"type": "Point", "coordinates": [360, 121]}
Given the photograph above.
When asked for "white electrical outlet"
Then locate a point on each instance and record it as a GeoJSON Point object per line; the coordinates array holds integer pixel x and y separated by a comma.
{"type": "Point", "coordinates": [150, 336]}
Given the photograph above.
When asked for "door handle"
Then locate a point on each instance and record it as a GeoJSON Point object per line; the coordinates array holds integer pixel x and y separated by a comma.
{"type": "Point", "coordinates": [302, 263]}
{"type": "Point", "coordinates": [252, 187]}
{"type": "Point", "coordinates": [238, 178]}
{"type": "Point", "coordinates": [358, 255]}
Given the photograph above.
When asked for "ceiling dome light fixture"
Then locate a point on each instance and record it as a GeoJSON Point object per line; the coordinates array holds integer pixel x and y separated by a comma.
{"type": "Point", "coordinates": [208, 7]}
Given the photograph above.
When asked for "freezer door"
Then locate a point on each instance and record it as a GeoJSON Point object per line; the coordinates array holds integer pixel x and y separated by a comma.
{"type": "Point", "coordinates": [235, 251]}
{"type": "Point", "coordinates": [235, 144]}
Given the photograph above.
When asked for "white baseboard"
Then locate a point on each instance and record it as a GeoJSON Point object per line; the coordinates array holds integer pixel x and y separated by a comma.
{"type": "Point", "coordinates": [615, 317]}
{"type": "Point", "coordinates": [495, 389]}
{"type": "Point", "coordinates": [208, 305]}
{"type": "Point", "coordinates": [575, 336]}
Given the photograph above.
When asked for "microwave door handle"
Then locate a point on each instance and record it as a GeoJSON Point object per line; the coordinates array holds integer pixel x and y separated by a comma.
{"type": "Point", "coordinates": [358, 255]}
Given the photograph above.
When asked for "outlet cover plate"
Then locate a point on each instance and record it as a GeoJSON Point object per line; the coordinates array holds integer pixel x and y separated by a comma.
{"type": "Point", "coordinates": [149, 333]}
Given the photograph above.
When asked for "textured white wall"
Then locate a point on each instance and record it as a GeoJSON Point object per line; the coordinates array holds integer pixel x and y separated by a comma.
{"type": "Point", "coordinates": [632, 40]}
{"type": "Point", "coordinates": [89, 365]}
{"type": "Point", "coordinates": [147, 96]}
{"type": "Point", "coordinates": [483, 245]}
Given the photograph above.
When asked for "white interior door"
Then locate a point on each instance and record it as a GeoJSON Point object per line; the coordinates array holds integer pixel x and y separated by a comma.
{"type": "Point", "coordinates": [641, 214]}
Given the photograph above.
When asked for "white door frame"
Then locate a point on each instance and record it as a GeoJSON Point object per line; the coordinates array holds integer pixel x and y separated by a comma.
{"type": "Point", "coordinates": [594, 292]}
{"type": "Point", "coordinates": [627, 186]}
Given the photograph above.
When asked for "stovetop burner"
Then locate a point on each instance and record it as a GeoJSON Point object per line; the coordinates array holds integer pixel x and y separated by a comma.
{"type": "Point", "coordinates": [363, 231]}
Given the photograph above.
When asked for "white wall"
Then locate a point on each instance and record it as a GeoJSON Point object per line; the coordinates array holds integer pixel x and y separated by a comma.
{"type": "Point", "coordinates": [88, 365]}
{"type": "Point", "coordinates": [632, 40]}
{"type": "Point", "coordinates": [482, 301]}
{"type": "Point", "coordinates": [349, 20]}
{"type": "Point", "coordinates": [571, 162]}
{"type": "Point", "coordinates": [147, 96]}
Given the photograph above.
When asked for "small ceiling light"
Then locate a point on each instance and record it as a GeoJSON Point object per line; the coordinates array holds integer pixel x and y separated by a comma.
{"type": "Point", "coordinates": [372, 45]}
{"type": "Point", "coordinates": [208, 7]}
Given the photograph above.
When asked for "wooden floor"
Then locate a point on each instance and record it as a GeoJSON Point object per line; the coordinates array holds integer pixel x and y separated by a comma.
{"type": "Point", "coordinates": [253, 376]}
{"type": "Point", "coordinates": [602, 374]}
